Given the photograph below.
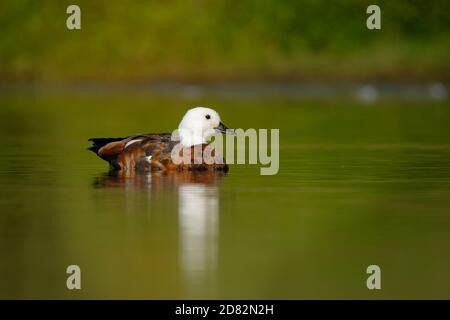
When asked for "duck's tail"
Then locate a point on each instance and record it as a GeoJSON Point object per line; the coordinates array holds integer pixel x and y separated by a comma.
{"type": "Point", "coordinates": [97, 143]}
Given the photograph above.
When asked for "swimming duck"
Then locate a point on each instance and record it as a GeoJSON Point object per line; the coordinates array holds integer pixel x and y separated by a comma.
{"type": "Point", "coordinates": [153, 152]}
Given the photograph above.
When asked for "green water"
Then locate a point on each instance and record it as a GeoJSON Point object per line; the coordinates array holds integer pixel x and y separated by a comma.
{"type": "Point", "coordinates": [358, 185]}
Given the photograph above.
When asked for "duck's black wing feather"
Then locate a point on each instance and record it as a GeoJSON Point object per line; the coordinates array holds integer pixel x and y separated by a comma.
{"type": "Point", "coordinates": [98, 143]}
{"type": "Point", "coordinates": [109, 148]}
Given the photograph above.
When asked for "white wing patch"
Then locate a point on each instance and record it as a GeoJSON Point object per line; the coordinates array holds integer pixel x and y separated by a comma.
{"type": "Point", "coordinates": [129, 143]}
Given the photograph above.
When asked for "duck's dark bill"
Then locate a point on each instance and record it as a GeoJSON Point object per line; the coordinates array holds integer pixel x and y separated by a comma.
{"type": "Point", "coordinates": [224, 129]}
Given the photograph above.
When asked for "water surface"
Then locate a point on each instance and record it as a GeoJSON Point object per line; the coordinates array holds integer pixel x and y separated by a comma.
{"type": "Point", "coordinates": [359, 184]}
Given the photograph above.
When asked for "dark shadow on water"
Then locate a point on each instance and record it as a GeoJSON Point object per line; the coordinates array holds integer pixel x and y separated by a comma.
{"type": "Point", "coordinates": [157, 180]}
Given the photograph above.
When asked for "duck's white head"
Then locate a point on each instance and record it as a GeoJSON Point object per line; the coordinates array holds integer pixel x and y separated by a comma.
{"type": "Point", "coordinates": [198, 125]}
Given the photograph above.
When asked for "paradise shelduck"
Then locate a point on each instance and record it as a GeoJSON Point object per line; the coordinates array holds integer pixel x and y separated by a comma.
{"type": "Point", "coordinates": [153, 152]}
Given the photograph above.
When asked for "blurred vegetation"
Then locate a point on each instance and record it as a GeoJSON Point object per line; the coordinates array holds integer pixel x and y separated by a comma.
{"type": "Point", "coordinates": [224, 39]}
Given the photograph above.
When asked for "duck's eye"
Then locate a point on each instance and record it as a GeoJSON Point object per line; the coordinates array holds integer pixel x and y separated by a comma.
{"type": "Point", "coordinates": [208, 116]}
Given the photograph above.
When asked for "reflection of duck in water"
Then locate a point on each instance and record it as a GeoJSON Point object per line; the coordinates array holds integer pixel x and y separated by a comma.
{"type": "Point", "coordinates": [153, 152]}
{"type": "Point", "coordinates": [197, 196]}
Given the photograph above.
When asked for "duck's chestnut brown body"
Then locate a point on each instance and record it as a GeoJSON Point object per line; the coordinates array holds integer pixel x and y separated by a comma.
{"type": "Point", "coordinates": [153, 152]}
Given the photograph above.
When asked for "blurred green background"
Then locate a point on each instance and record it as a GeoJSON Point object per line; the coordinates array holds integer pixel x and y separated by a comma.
{"type": "Point", "coordinates": [224, 39]}
{"type": "Point", "coordinates": [364, 160]}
